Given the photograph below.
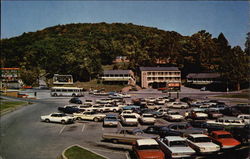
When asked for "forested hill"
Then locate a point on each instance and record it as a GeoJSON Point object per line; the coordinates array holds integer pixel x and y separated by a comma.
{"type": "Point", "coordinates": [81, 49]}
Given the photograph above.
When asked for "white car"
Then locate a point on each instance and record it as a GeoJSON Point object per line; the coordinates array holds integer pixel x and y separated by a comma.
{"type": "Point", "coordinates": [57, 117]}
{"type": "Point", "coordinates": [153, 106]}
{"type": "Point", "coordinates": [198, 113]}
{"type": "Point", "coordinates": [111, 108]}
{"type": "Point", "coordinates": [124, 95]}
{"type": "Point", "coordinates": [160, 101]}
{"type": "Point", "coordinates": [162, 112]}
{"type": "Point", "coordinates": [89, 116]}
{"type": "Point", "coordinates": [175, 147]}
{"type": "Point", "coordinates": [173, 116]}
{"type": "Point", "coordinates": [150, 100]}
{"type": "Point", "coordinates": [245, 117]}
{"type": "Point", "coordinates": [202, 144]}
{"type": "Point", "coordinates": [129, 119]}
{"type": "Point", "coordinates": [104, 101]}
{"type": "Point", "coordinates": [227, 121]}
{"type": "Point", "coordinates": [128, 112]}
{"type": "Point", "coordinates": [181, 105]}
{"type": "Point", "coordinates": [147, 119]}
{"type": "Point", "coordinates": [96, 108]}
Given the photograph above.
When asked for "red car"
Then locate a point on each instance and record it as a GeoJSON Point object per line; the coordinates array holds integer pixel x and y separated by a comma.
{"type": "Point", "coordinates": [224, 139]}
{"type": "Point", "coordinates": [147, 149]}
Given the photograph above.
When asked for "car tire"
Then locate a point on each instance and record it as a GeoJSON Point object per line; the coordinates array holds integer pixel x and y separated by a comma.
{"type": "Point", "coordinates": [79, 118]}
{"type": "Point", "coordinates": [96, 119]}
{"type": "Point", "coordinates": [182, 107]}
{"type": "Point", "coordinates": [114, 111]}
{"type": "Point", "coordinates": [55, 94]}
{"type": "Point", "coordinates": [63, 122]}
{"type": "Point", "coordinates": [47, 120]}
{"type": "Point", "coordinates": [73, 95]}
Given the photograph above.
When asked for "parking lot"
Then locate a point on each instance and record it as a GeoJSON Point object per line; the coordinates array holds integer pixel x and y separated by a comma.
{"type": "Point", "coordinates": [39, 140]}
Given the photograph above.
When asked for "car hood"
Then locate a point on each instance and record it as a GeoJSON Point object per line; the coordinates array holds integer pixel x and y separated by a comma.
{"type": "Point", "coordinates": [201, 114]}
{"type": "Point", "coordinates": [151, 154]}
{"type": "Point", "coordinates": [229, 142]}
{"type": "Point", "coordinates": [176, 116]}
{"type": "Point", "coordinates": [206, 144]}
{"type": "Point", "coordinates": [181, 150]}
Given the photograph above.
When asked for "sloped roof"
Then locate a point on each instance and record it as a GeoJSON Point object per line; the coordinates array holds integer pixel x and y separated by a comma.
{"type": "Point", "coordinates": [116, 72]}
{"type": "Point", "coordinates": [203, 75]}
{"type": "Point", "coordinates": [159, 69]}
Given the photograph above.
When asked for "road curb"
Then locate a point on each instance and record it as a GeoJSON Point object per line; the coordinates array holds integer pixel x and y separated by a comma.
{"type": "Point", "coordinates": [64, 157]}
{"type": "Point", "coordinates": [9, 110]}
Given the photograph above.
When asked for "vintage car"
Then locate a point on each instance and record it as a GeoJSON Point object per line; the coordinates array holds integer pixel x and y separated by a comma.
{"type": "Point", "coordinates": [129, 119]}
{"type": "Point", "coordinates": [173, 116]}
{"type": "Point", "coordinates": [57, 118]}
{"type": "Point", "coordinates": [224, 139]}
{"type": "Point", "coordinates": [75, 100]}
{"type": "Point", "coordinates": [147, 148]}
{"type": "Point", "coordinates": [129, 112]}
{"type": "Point", "coordinates": [202, 144]}
{"type": "Point", "coordinates": [227, 121]}
{"type": "Point", "coordinates": [131, 107]}
{"type": "Point", "coordinates": [104, 101]}
{"type": "Point", "coordinates": [153, 106]}
{"type": "Point", "coordinates": [69, 109]}
{"type": "Point", "coordinates": [161, 130]}
{"type": "Point", "coordinates": [197, 113]}
{"type": "Point", "coordinates": [204, 125]}
{"type": "Point", "coordinates": [94, 116]}
{"type": "Point", "coordinates": [213, 113]}
{"type": "Point", "coordinates": [127, 135]}
{"type": "Point", "coordinates": [245, 117]}
{"type": "Point", "coordinates": [175, 147]}
{"type": "Point", "coordinates": [241, 134]}
{"type": "Point", "coordinates": [185, 129]}
{"type": "Point", "coordinates": [147, 119]}
{"type": "Point", "coordinates": [181, 105]}
{"type": "Point", "coordinates": [110, 120]}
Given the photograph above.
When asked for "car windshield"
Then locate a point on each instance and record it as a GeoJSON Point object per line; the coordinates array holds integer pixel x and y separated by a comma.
{"type": "Point", "coordinates": [129, 116]}
{"type": "Point", "coordinates": [202, 139]}
{"type": "Point", "coordinates": [148, 115]}
{"type": "Point", "coordinates": [178, 144]}
{"type": "Point", "coordinates": [111, 118]}
{"type": "Point", "coordinates": [148, 147]}
{"type": "Point", "coordinates": [225, 136]}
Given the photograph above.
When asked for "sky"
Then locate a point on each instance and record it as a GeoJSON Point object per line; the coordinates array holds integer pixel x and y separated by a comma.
{"type": "Point", "coordinates": [185, 17]}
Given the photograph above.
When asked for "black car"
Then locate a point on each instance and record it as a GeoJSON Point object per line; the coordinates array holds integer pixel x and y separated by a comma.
{"type": "Point", "coordinates": [69, 109]}
{"type": "Point", "coordinates": [161, 130]}
{"type": "Point", "coordinates": [204, 125]}
{"type": "Point", "coordinates": [186, 99]}
{"type": "Point", "coordinates": [231, 111]}
{"type": "Point", "coordinates": [242, 134]}
{"type": "Point", "coordinates": [75, 100]}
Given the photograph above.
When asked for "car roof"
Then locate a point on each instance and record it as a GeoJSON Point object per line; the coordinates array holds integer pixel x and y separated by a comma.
{"type": "Point", "coordinates": [174, 138]}
{"type": "Point", "coordinates": [198, 135]}
{"type": "Point", "coordinates": [142, 142]}
{"type": "Point", "coordinates": [219, 132]}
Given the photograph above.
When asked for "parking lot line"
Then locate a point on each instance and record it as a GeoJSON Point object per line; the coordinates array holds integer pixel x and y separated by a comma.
{"type": "Point", "coordinates": [62, 129]}
{"type": "Point", "coordinates": [83, 126]}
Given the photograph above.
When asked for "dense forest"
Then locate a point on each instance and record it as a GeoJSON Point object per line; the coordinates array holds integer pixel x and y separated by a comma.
{"type": "Point", "coordinates": [82, 49]}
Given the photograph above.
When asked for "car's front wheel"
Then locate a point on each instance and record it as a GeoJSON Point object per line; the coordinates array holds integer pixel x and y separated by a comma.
{"type": "Point", "coordinates": [96, 119]}
{"type": "Point", "coordinates": [47, 120]}
{"type": "Point", "coordinates": [63, 122]}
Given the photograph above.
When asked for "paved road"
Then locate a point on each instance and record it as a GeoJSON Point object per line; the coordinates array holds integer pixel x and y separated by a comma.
{"type": "Point", "coordinates": [23, 136]}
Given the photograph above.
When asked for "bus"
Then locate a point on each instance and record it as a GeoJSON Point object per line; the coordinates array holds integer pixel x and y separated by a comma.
{"type": "Point", "coordinates": [66, 91]}
{"type": "Point", "coordinates": [62, 79]}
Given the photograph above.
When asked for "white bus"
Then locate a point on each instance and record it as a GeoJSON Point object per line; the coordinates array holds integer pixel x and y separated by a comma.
{"type": "Point", "coordinates": [66, 91]}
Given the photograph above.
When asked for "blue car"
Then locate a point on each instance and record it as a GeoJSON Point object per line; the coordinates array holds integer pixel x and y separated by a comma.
{"type": "Point", "coordinates": [131, 107]}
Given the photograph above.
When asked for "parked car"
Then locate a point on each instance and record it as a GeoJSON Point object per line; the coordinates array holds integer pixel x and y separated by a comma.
{"type": "Point", "coordinates": [131, 107]}
{"type": "Point", "coordinates": [185, 129]}
{"type": "Point", "coordinates": [195, 103]}
{"type": "Point", "coordinates": [213, 113]}
{"type": "Point", "coordinates": [127, 135]}
{"type": "Point", "coordinates": [88, 101]}
{"type": "Point", "coordinates": [242, 134]}
{"type": "Point", "coordinates": [58, 118]}
{"type": "Point", "coordinates": [161, 112]}
{"type": "Point", "coordinates": [147, 148]}
{"type": "Point", "coordinates": [153, 106]}
{"type": "Point", "coordinates": [181, 105]}
{"type": "Point", "coordinates": [129, 119]}
{"type": "Point", "coordinates": [147, 119]}
{"type": "Point", "coordinates": [219, 107]}
{"type": "Point", "coordinates": [160, 101]}
{"type": "Point", "coordinates": [202, 144]}
{"type": "Point", "coordinates": [94, 116]}
{"type": "Point", "coordinates": [245, 117]}
{"type": "Point", "coordinates": [227, 121]}
{"type": "Point", "coordinates": [186, 100]}
{"type": "Point", "coordinates": [161, 130]}
{"type": "Point", "coordinates": [111, 108]}
{"type": "Point", "coordinates": [173, 116]}
{"type": "Point", "coordinates": [175, 147]}
{"type": "Point", "coordinates": [110, 120]}
{"type": "Point", "coordinates": [197, 113]}
{"type": "Point", "coordinates": [75, 100]}
{"type": "Point", "coordinates": [224, 139]}
{"type": "Point", "coordinates": [129, 112]}
{"type": "Point", "coordinates": [231, 111]}
{"type": "Point", "coordinates": [204, 125]}
{"type": "Point", "coordinates": [69, 109]}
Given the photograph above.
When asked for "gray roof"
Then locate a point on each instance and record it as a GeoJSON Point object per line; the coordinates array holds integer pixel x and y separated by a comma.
{"type": "Point", "coordinates": [203, 75]}
{"type": "Point", "coordinates": [117, 72]}
{"type": "Point", "coordinates": [159, 69]}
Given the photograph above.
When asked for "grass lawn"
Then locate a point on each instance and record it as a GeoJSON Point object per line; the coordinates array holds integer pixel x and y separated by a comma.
{"type": "Point", "coordinates": [76, 152]}
{"type": "Point", "coordinates": [94, 85]}
{"type": "Point", "coordinates": [238, 95]}
{"type": "Point", "coordinates": [7, 105]}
